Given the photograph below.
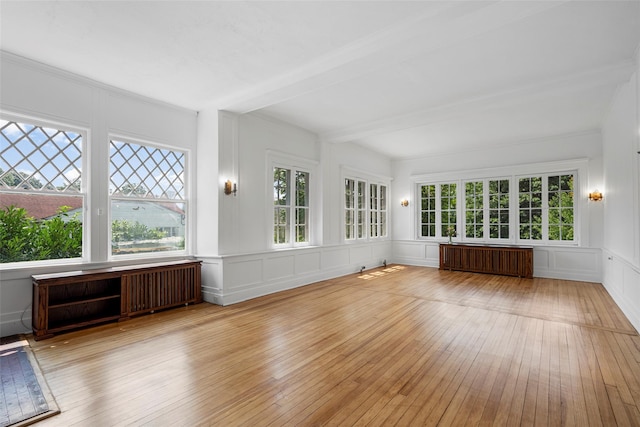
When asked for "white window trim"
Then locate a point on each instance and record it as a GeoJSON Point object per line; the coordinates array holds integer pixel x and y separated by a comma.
{"type": "Point", "coordinates": [368, 179]}
{"type": "Point", "coordinates": [84, 189]}
{"type": "Point", "coordinates": [579, 167]}
{"type": "Point", "coordinates": [276, 159]}
{"type": "Point", "coordinates": [187, 197]}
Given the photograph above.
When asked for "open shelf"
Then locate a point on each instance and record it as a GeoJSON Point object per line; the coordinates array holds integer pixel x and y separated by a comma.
{"type": "Point", "coordinates": [80, 300]}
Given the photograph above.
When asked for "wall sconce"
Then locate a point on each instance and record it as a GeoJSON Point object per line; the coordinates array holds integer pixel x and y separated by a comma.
{"type": "Point", "coordinates": [404, 203]}
{"type": "Point", "coordinates": [595, 196]}
{"type": "Point", "coordinates": [230, 188]}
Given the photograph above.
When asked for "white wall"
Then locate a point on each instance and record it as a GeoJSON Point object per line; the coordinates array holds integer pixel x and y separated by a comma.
{"type": "Point", "coordinates": [246, 266]}
{"type": "Point", "coordinates": [621, 249]}
{"type": "Point", "coordinates": [41, 92]}
{"type": "Point", "coordinates": [354, 158]}
{"type": "Point", "coordinates": [575, 263]}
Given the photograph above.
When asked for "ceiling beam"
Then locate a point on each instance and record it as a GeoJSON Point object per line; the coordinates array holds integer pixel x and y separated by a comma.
{"type": "Point", "coordinates": [608, 75]}
{"type": "Point", "coordinates": [441, 25]}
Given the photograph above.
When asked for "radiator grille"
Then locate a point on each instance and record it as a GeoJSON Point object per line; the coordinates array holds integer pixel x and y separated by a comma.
{"type": "Point", "coordinates": [154, 290]}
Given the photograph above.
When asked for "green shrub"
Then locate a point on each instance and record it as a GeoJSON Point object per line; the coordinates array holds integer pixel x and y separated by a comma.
{"type": "Point", "coordinates": [23, 238]}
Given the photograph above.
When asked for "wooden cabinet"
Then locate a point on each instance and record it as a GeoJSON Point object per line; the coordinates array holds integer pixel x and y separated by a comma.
{"type": "Point", "coordinates": [71, 300]}
{"type": "Point", "coordinates": [504, 260]}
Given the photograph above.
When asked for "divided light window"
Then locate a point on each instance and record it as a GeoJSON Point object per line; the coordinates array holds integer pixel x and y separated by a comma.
{"type": "Point", "coordinates": [428, 211]}
{"type": "Point", "coordinates": [290, 206]}
{"type": "Point", "coordinates": [474, 210]}
{"type": "Point", "coordinates": [448, 209]}
{"type": "Point", "coordinates": [544, 212]}
{"type": "Point", "coordinates": [148, 198]}
{"type": "Point", "coordinates": [495, 208]}
{"type": "Point", "coordinates": [365, 210]}
{"type": "Point", "coordinates": [438, 210]}
{"type": "Point", "coordinates": [42, 196]}
{"type": "Point", "coordinates": [378, 210]}
{"type": "Point", "coordinates": [499, 209]}
{"type": "Point", "coordinates": [355, 209]}
{"type": "Point", "coordinates": [546, 207]}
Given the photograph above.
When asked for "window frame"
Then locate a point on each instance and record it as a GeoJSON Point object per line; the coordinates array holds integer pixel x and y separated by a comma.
{"type": "Point", "coordinates": [546, 209]}
{"type": "Point", "coordinates": [358, 211]}
{"type": "Point", "coordinates": [185, 201]}
{"type": "Point", "coordinates": [438, 224]}
{"type": "Point", "coordinates": [577, 167]}
{"type": "Point", "coordinates": [85, 184]}
{"type": "Point", "coordinates": [294, 165]}
{"type": "Point", "coordinates": [368, 180]}
{"type": "Point", "coordinates": [487, 209]}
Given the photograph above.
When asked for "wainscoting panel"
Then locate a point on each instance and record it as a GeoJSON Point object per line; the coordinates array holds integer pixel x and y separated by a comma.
{"type": "Point", "coordinates": [415, 252]}
{"type": "Point", "coordinates": [249, 276]}
{"type": "Point", "coordinates": [307, 262]}
{"type": "Point", "coordinates": [15, 319]}
{"type": "Point", "coordinates": [380, 253]}
{"type": "Point", "coordinates": [211, 277]}
{"type": "Point", "coordinates": [540, 260]}
{"type": "Point", "coordinates": [335, 257]}
{"type": "Point", "coordinates": [279, 267]}
{"type": "Point", "coordinates": [582, 264]}
{"type": "Point", "coordinates": [432, 253]}
{"type": "Point", "coordinates": [242, 272]}
{"type": "Point", "coordinates": [622, 280]}
{"type": "Point", "coordinates": [360, 254]}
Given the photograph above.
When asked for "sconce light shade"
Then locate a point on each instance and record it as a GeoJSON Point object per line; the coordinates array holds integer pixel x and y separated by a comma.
{"type": "Point", "coordinates": [230, 188]}
{"type": "Point", "coordinates": [595, 196]}
{"type": "Point", "coordinates": [404, 203]}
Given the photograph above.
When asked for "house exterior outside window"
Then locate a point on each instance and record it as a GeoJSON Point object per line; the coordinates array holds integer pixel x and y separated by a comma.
{"type": "Point", "coordinates": [148, 202]}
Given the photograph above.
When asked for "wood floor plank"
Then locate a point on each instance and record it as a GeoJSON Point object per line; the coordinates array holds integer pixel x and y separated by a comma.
{"type": "Point", "coordinates": [396, 346]}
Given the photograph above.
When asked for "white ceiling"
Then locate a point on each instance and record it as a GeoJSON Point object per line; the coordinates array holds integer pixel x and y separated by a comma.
{"type": "Point", "coordinates": [403, 78]}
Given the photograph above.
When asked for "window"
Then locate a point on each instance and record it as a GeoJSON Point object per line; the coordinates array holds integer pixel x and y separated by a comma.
{"type": "Point", "coordinates": [42, 197]}
{"type": "Point", "coordinates": [302, 207]}
{"type": "Point", "coordinates": [556, 210]}
{"type": "Point", "coordinates": [378, 210]}
{"type": "Point", "coordinates": [545, 210]}
{"type": "Point", "coordinates": [530, 210]}
{"type": "Point", "coordinates": [499, 209]}
{"type": "Point", "coordinates": [438, 214]}
{"type": "Point", "coordinates": [148, 199]}
{"type": "Point", "coordinates": [448, 209]}
{"type": "Point", "coordinates": [355, 209]}
{"type": "Point", "coordinates": [560, 197]}
{"type": "Point", "coordinates": [291, 193]}
{"type": "Point", "coordinates": [365, 209]}
{"type": "Point", "coordinates": [428, 211]}
{"type": "Point", "coordinates": [474, 210]}
{"type": "Point", "coordinates": [361, 210]}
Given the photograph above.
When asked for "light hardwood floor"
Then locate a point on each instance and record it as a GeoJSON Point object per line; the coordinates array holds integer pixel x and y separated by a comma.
{"type": "Point", "coordinates": [397, 346]}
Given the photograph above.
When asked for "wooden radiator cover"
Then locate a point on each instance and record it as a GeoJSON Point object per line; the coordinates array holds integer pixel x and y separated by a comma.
{"type": "Point", "coordinates": [74, 299]}
{"type": "Point", "coordinates": [504, 260]}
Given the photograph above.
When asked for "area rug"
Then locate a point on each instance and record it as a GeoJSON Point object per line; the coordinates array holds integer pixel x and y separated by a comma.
{"type": "Point", "coordinates": [25, 397]}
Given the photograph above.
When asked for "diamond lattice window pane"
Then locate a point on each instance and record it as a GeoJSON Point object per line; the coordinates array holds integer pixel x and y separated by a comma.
{"type": "Point", "coordinates": [34, 158]}
{"type": "Point", "coordinates": [143, 171]}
